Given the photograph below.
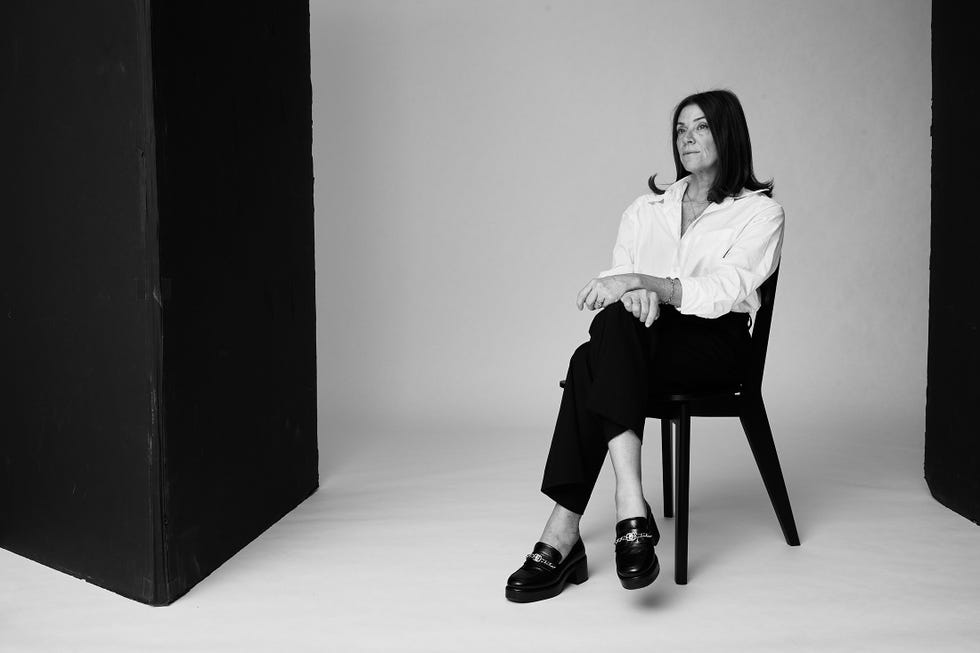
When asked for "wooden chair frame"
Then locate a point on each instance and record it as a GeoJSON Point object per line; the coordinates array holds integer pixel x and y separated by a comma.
{"type": "Point", "coordinates": [745, 402]}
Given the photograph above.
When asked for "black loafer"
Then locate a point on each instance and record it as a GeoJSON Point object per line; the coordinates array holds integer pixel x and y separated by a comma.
{"type": "Point", "coordinates": [544, 574]}
{"type": "Point", "coordinates": [636, 561]}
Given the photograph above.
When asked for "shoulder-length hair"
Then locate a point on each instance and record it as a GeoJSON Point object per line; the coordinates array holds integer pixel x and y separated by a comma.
{"type": "Point", "coordinates": [726, 120]}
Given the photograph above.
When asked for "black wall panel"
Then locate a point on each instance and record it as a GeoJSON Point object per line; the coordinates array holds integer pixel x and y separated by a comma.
{"type": "Point", "coordinates": [952, 453]}
{"type": "Point", "coordinates": [157, 338]}
{"type": "Point", "coordinates": [233, 110]}
{"type": "Point", "coordinates": [76, 422]}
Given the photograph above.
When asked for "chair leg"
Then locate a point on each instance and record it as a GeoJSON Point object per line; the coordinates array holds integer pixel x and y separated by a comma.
{"type": "Point", "coordinates": [683, 492]}
{"type": "Point", "coordinates": [668, 465]}
{"type": "Point", "coordinates": [755, 423]}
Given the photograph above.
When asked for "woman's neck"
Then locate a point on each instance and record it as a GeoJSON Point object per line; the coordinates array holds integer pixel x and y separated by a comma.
{"type": "Point", "coordinates": [699, 185]}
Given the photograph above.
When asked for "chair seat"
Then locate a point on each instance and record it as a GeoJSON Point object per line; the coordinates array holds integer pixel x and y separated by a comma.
{"type": "Point", "coordinates": [709, 403]}
{"type": "Point", "coordinates": [699, 395]}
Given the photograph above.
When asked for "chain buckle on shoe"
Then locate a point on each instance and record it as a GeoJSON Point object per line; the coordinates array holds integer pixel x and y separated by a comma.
{"type": "Point", "coordinates": [537, 557]}
{"type": "Point", "coordinates": [632, 536]}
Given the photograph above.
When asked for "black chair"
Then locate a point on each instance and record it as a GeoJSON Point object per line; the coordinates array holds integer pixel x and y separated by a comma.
{"type": "Point", "coordinates": [745, 402]}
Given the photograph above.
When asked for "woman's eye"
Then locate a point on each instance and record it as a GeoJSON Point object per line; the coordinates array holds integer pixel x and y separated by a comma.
{"type": "Point", "coordinates": [680, 131]}
{"type": "Point", "coordinates": [703, 126]}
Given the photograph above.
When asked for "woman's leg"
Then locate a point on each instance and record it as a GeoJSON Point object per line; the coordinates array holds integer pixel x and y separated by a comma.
{"type": "Point", "coordinates": [561, 531]}
{"type": "Point", "coordinates": [574, 459]}
{"type": "Point", "coordinates": [605, 392]}
{"type": "Point", "coordinates": [578, 447]}
{"type": "Point", "coordinates": [603, 405]}
{"type": "Point", "coordinates": [624, 451]}
{"type": "Point", "coordinates": [698, 353]}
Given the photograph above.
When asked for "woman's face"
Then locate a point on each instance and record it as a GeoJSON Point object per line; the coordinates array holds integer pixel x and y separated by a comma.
{"type": "Point", "coordinates": [695, 144]}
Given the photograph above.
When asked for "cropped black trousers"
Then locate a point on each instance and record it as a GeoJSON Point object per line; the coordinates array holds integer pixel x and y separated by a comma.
{"type": "Point", "coordinates": [611, 378]}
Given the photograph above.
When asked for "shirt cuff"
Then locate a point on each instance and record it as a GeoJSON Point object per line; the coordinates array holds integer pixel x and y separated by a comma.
{"type": "Point", "coordinates": [698, 300]}
{"type": "Point", "coordinates": [620, 269]}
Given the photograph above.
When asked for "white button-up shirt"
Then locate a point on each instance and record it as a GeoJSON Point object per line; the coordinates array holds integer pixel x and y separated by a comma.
{"type": "Point", "coordinates": [723, 257]}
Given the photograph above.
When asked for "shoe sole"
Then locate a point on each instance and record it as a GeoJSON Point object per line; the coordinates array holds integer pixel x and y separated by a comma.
{"type": "Point", "coordinates": [636, 582]}
{"type": "Point", "coordinates": [577, 573]}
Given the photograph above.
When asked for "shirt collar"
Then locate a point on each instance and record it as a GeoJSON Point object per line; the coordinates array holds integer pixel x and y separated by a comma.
{"type": "Point", "coordinates": [675, 192]}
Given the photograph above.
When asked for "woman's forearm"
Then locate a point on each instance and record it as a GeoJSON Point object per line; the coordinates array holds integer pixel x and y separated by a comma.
{"type": "Point", "coordinates": [665, 289]}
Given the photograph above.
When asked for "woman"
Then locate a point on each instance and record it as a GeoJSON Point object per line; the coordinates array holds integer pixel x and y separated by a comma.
{"type": "Point", "coordinates": [674, 317]}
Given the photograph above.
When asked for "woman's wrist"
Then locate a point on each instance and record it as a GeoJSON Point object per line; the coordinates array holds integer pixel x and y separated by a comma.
{"type": "Point", "coordinates": [640, 282]}
{"type": "Point", "coordinates": [652, 284]}
{"type": "Point", "coordinates": [668, 289]}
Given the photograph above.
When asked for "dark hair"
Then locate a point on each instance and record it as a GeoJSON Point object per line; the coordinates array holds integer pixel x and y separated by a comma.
{"type": "Point", "coordinates": [726, 120]}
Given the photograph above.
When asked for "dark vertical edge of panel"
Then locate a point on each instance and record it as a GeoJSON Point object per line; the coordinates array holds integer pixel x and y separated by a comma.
{"type": "Point", "coordinates": [952, 450]}
{"type": "Point", "coordinates": [158, 591]}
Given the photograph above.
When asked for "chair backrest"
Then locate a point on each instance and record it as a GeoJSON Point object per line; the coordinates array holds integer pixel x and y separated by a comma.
{"type": "Point", "coordinates": [760, 332]}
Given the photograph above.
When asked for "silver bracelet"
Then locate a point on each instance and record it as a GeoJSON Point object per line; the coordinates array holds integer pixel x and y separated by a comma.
{"type": "Point", "coordinates": [671, 298]}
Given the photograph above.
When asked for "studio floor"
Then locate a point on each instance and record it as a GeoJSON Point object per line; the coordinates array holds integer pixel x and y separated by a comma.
{"type": "Point", "coordinates": [408, 542]}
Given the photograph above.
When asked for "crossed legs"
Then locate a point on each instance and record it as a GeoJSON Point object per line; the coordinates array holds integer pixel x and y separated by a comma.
{"type": "Point", "coordinates": [609, 382]}
{"type": "Point", "coordinates": [607, 386]}
{"type": "Point", "coordinates": [562, 529]}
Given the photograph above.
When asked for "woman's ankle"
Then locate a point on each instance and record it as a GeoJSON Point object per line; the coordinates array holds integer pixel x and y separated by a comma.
{"type": "Point", "coordinates": [630, 503]}
{"type": "Point", "coordinates": [561, 537]}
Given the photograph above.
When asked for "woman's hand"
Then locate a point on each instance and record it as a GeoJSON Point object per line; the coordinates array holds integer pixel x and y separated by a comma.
{"type": "Point", "coordinates": [602, 291]}
{"type": "Point", "coordinates": [643, 304]}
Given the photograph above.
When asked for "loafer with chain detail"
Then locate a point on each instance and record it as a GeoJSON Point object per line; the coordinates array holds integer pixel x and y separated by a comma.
{"type": "Point", "coordinates": [636, 561]}
{"type": "Point", "coordinates": [544, 573]}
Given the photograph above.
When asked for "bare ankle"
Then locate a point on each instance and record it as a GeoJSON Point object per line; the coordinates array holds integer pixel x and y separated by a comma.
{"type": "Point", "coordinates": [562, 538]}
{"type": "Point", "coordinates": [630, 503]}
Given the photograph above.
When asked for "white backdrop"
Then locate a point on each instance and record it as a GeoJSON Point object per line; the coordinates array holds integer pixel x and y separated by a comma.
{"type": "Point", "coordinates": [473, 158]}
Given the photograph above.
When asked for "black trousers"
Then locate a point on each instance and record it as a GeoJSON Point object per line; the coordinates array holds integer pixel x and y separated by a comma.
{"type": "Point", "coordinates": [610, 380]}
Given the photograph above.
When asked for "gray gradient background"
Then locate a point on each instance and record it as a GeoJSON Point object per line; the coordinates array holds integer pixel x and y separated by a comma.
{"type": "Point", "coordinates": [473, 160]}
